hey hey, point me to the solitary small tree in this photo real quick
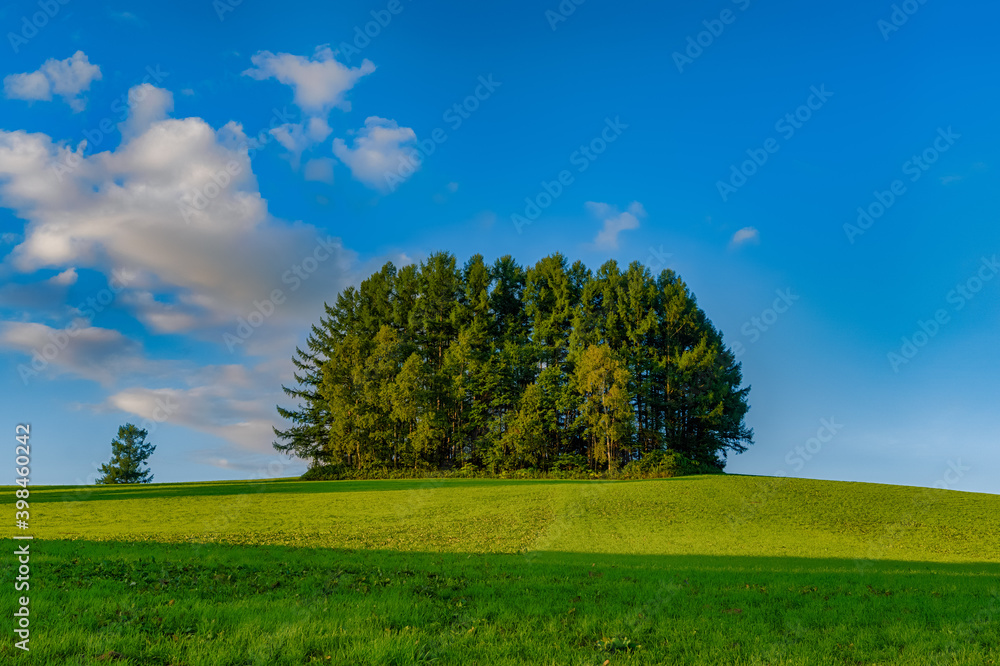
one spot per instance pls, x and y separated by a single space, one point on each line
129 452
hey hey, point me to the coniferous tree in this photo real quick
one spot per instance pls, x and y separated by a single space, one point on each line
129 452
606 410
308 435
497 366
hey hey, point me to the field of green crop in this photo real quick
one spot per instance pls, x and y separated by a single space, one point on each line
692 570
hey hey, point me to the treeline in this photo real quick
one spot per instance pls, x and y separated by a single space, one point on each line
500 368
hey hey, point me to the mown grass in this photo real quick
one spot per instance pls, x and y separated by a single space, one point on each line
693 570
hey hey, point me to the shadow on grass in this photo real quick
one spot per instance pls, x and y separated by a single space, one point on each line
42 494
524 562
199 603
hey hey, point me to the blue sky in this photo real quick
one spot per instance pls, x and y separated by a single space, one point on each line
739 157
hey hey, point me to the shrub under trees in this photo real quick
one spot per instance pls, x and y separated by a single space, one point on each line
505 368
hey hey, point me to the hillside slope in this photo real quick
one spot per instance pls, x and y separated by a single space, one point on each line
701 515
703 571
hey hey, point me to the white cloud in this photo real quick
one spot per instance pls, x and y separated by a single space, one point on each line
292 137
48 295
68 78
193 269
319 83
147 105
379 157
298 137
99 354
29 86
615 222
66 278
318 129
320 170
744 236
202 266
217 409
161 316
232 402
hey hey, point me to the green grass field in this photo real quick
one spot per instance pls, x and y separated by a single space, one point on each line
692 570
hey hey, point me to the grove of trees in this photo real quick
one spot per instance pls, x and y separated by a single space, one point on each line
502 368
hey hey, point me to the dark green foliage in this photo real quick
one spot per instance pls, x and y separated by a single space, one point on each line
129 452
500 368
654 465
664 465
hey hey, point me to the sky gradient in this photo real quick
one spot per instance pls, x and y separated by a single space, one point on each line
182 186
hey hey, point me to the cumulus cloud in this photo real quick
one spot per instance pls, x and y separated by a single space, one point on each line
232 402
614 222
99 354
320 82
68 79
147 105
298 137
178 205
222 400
744 236
161 316
379 156
47 295
210 409
67 277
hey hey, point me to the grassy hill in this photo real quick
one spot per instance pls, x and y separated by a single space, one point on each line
691 570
